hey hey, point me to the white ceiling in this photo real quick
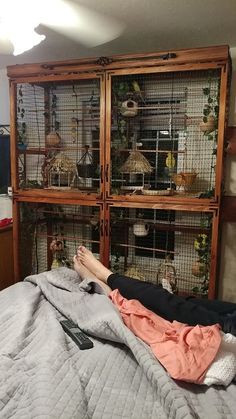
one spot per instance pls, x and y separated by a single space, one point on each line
151 25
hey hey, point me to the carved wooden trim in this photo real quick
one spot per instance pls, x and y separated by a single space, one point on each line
218 54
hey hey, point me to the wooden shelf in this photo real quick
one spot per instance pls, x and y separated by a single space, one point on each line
44 150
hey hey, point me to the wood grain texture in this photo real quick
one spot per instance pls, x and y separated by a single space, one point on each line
71 67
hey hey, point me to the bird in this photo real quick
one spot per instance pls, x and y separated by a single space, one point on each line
170 160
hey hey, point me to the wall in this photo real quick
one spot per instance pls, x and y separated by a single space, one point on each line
227 285
4 98
5 203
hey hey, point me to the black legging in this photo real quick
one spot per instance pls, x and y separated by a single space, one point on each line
188 310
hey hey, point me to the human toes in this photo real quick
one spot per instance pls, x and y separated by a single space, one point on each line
75 259
85 251
81 250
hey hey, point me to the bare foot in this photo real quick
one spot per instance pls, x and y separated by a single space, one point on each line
92 264
86 274
83 272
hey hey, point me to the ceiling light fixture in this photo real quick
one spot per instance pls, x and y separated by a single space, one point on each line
18 19
68 18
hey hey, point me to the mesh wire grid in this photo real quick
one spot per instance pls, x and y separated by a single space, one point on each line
55 120
143 241
50 234
162 115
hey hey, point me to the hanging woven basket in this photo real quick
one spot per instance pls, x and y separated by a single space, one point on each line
184 179
199 269
85 166
209 125
53 139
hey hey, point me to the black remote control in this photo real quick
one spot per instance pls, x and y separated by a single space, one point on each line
78 336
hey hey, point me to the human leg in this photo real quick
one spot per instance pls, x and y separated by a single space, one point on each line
172 307
220 307
155 298
167 305
160 301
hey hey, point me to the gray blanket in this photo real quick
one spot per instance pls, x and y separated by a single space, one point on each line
43 374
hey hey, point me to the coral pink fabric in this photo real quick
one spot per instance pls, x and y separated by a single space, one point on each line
185 351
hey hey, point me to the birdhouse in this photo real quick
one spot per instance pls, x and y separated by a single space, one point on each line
134 170
61 172
129 108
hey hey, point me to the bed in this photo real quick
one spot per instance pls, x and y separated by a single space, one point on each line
43 373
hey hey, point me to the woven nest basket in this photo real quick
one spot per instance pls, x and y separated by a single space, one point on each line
62 163
136 163
61 172
134 272
185 179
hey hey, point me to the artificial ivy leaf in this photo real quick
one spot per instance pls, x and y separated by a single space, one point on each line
206 111
57 125
210 137
206 91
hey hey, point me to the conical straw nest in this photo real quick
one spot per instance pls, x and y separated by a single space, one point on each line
136 163
62 163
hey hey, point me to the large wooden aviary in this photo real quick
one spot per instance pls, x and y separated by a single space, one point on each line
124 154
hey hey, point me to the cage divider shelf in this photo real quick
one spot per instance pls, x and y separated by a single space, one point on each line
131 246
164 226
69 238
127 150
44 150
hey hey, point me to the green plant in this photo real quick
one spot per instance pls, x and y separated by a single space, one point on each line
208 194
210 112
120 91
21 125
30 184
211 107
200 268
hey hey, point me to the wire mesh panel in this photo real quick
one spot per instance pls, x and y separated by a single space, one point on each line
166 247
58 135
164 130
50 234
